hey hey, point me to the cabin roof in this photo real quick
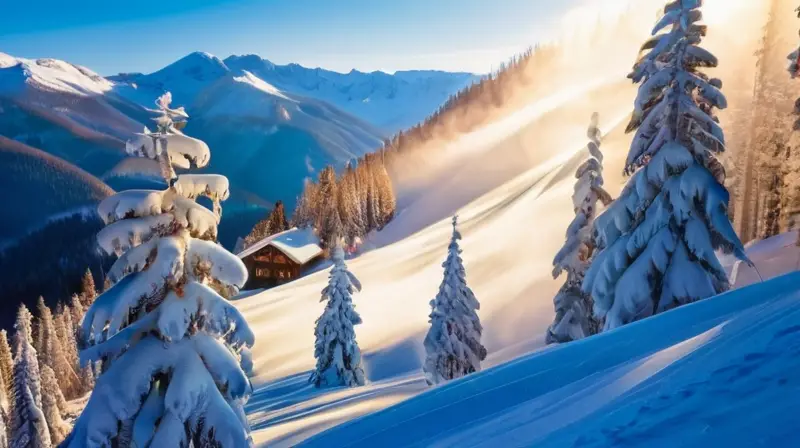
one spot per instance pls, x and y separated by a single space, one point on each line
300 245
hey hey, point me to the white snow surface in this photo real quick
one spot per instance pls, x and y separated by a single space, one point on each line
510 183
50 74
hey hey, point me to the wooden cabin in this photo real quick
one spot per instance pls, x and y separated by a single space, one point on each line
280 258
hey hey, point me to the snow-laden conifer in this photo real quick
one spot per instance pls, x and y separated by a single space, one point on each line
53 405
4 430
336 350
453 343
164 329
660 238
6 363
55 355
574 319
28 425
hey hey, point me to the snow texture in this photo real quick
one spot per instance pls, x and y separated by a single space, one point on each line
28 421
574 319
168 339
336 350
659 239
453 344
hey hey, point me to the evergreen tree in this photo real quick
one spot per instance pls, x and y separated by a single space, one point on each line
88 290
28 425
336 350
659 239
54 354
53 405
303 216
453 343
349 210
274 223
43 324
77 310
69 352
6 363
4 430
168 338
277 219
573 307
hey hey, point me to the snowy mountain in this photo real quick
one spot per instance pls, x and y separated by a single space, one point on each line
390 102
268 141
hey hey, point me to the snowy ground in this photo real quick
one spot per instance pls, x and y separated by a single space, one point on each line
510 183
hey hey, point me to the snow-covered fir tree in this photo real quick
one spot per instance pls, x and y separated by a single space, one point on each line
53 405
6 363
336 350
4 431
28 425
40 329
574 319
303 215
274 223
453 343
88 290
659 239
68 348
165 331
55 355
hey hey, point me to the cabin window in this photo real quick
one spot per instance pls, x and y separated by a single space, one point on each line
282 274
280 259
263 272
264 258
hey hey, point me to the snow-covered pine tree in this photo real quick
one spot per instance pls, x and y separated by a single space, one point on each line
6 363
39 329
453 343
274 223
69 348
77 310
88 290
303 215
43 323
574 319
53 405
336 350
28 425
54 355
349 210
659 239
386 199
4 430
167 335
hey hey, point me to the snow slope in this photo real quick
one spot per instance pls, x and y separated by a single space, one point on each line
510 183
693 375
506 268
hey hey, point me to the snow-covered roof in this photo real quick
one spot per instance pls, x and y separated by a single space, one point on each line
300 245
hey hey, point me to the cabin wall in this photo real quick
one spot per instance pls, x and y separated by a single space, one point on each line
270 267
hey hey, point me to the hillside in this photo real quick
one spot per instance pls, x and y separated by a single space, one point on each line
59 186
510 181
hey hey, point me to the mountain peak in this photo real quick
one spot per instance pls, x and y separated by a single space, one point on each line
248 62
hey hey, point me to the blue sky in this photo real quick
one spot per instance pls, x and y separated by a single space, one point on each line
112 36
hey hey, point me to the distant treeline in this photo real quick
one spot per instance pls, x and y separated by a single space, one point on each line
476 104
